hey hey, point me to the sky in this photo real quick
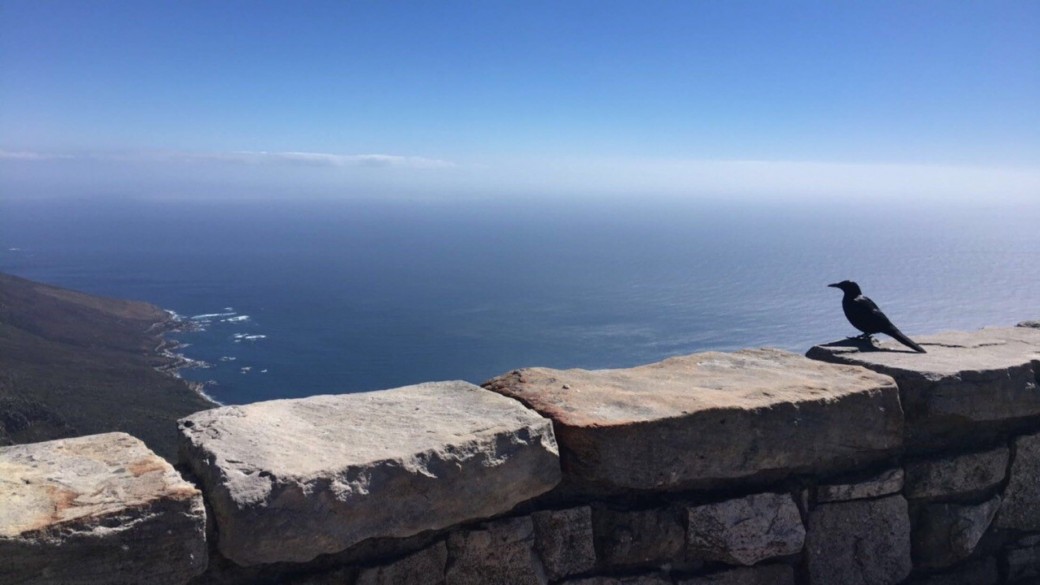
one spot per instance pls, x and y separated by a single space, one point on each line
929 99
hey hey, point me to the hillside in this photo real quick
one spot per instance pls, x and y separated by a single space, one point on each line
74 364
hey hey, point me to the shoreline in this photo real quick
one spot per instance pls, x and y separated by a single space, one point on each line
174 362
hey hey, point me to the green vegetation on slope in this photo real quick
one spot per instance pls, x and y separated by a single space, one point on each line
74 364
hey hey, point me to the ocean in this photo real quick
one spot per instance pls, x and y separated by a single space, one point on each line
293 298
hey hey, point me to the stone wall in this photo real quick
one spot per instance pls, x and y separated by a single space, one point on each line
855 465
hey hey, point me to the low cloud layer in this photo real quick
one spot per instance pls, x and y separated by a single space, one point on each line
318 159
31 156
322 159
689 178
246 173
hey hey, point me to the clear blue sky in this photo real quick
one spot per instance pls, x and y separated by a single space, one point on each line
679 98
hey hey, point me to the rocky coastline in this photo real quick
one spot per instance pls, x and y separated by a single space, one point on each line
174 360
75 364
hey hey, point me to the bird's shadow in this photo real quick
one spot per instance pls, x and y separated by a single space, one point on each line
861 344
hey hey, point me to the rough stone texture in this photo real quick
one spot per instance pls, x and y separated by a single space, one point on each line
641 537
1021 507
764 575
744 531
343 576
945 534
953 476
863 542
966 381
1023 560
981 572
424 567
502 553
97 509
700 420
288 480
885 483
564 541
652 579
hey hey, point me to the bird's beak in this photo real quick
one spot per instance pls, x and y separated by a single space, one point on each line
835 285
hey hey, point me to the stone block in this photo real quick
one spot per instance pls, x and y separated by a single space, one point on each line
97 509
289 480
862 542
501 553
1021 507
956 476
1023 560
945 534
564 541
966 383
651 579
341 576
639 537
704 420
885 483
745 531
424 567
762 575
980 572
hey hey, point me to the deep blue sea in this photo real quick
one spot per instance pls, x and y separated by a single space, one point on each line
295 298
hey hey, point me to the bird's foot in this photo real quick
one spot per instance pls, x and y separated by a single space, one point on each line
864 341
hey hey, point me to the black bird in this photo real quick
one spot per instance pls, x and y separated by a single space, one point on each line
867 317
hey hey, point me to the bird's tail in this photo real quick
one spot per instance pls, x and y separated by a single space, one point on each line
901 338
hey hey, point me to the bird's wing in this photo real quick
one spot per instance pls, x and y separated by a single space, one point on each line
873 313
866 302
880 322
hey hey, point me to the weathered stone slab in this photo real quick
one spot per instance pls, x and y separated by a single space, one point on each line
763 575
953 476
1021 507
862 542
745 531
965 382
502 553
885 483
639 537
291 479
945 534
97 509
702 419
564 541
424 567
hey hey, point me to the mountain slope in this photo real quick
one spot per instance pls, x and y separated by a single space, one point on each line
74 364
